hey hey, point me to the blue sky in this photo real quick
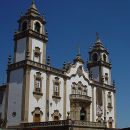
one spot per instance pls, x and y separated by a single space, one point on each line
73 23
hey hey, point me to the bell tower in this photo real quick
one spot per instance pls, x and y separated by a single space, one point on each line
31 37
99 65
25 73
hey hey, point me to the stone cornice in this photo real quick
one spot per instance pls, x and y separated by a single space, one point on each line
30 33
99 63
28 17
39 66
105 86
64 123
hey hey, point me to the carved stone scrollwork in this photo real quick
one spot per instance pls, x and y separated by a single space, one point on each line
80 71
56 115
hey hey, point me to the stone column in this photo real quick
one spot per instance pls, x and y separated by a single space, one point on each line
114 108
104 99
64 102
93 104
47 96
25 94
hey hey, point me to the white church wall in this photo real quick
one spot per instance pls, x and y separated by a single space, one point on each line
41 103
3 105
15 97
94 104
21 48
56 104
95 73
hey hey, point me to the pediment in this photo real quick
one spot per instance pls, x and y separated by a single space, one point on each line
78 70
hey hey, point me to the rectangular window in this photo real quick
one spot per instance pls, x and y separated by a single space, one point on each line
56 89
38 86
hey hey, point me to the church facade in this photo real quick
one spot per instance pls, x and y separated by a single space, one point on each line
37 92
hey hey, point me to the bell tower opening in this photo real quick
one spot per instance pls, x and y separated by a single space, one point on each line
95 57
37 27
24 26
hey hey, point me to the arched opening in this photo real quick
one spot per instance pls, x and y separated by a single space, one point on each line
37 27
82 114
95 57
56 115
36 118
110 124
104 57
24 26
37 113
56 118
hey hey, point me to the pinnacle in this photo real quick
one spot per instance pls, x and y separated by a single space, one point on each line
33 6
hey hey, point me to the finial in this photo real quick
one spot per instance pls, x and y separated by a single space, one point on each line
33 2
27 54
9 60
78 50
33 5
97 38
48 61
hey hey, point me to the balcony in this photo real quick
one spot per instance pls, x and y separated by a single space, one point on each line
78 97
63 124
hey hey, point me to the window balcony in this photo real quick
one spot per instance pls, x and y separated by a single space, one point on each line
78 97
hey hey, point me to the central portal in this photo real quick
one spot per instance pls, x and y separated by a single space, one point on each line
80 111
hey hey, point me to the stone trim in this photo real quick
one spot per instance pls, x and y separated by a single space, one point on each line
25 93
32 34
93 104
64 99
37 53
56 114
15 50
99 63
65 124
104 98
38 91
115 108
56 94
38 66
104 86
47 95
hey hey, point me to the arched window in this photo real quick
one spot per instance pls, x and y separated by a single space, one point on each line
36 118
24 26
82 114
95 57
37 27
104 57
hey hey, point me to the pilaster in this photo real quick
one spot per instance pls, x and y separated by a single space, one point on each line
47 96
25 94
93 104
64 102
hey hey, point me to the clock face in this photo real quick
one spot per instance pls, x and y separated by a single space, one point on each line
99 110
